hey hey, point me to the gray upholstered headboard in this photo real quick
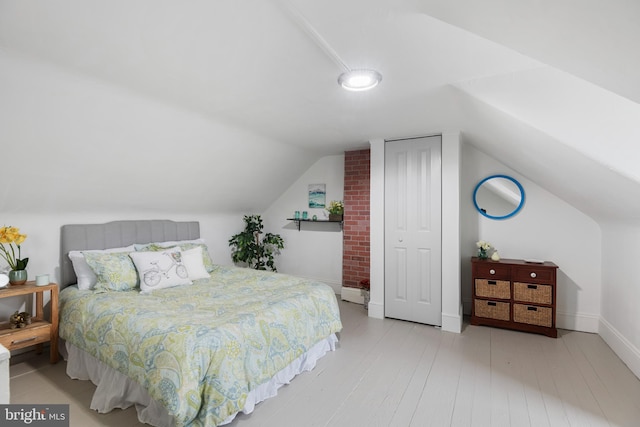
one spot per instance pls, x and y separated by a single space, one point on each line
116 234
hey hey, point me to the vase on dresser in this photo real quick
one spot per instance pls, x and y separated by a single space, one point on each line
17 277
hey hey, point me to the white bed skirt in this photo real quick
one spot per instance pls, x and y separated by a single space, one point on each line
114 390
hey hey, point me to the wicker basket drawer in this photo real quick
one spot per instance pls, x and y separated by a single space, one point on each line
492 309
533 315
493 288
527 292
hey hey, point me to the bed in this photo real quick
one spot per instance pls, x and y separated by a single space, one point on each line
193 354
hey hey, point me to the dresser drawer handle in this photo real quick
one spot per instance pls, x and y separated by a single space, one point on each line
492 282
492 271
532 286
493 304
533 275
532 308
24 340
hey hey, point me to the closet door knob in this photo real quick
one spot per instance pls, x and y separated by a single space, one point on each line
533 275
492 271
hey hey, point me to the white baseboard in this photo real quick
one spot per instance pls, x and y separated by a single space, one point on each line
376 310
351 295
452 323
621 346
578 322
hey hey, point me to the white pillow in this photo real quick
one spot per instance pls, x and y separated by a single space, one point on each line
192 259
86 277
160 269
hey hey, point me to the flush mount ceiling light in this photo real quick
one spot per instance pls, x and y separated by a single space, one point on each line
359 80
353 80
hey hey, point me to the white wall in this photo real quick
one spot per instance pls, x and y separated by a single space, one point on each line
83 145
620 317
546 228
315 251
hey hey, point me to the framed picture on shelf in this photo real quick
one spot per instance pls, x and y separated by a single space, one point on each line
317 196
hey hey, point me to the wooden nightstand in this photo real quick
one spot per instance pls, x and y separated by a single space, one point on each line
40 330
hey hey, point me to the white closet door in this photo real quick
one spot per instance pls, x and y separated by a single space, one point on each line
413 232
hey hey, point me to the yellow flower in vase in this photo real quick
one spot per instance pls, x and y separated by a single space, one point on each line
11 237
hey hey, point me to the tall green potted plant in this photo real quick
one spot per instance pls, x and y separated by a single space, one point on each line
250 248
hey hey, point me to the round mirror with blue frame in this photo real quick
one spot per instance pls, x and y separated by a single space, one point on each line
498 197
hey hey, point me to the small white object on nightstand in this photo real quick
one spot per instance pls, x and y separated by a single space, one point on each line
42 279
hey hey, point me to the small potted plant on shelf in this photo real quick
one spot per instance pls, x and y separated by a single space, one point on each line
336 210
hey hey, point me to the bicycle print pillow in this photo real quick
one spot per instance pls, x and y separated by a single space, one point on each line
162 269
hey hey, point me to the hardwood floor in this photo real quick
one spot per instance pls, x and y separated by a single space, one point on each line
395 373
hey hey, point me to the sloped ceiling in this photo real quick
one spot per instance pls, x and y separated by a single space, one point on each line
207 89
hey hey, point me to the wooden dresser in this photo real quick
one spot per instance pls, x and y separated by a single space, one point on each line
514 294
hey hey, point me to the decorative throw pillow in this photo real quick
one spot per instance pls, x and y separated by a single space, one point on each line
184 245
192 259
162 269
206 258
86 278
114 271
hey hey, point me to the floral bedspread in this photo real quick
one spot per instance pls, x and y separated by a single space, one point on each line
199 349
